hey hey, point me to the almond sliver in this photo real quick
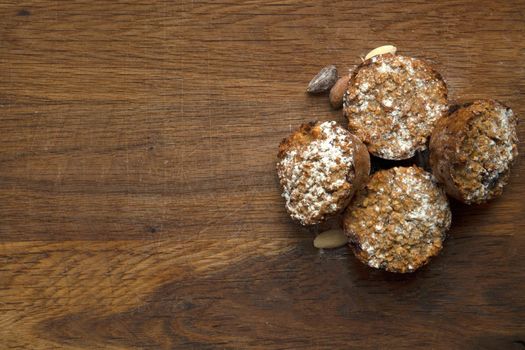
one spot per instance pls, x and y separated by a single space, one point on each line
381 50
330 239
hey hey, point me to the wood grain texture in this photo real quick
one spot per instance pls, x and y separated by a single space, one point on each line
139 206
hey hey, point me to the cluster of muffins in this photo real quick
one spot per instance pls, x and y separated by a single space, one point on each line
396 219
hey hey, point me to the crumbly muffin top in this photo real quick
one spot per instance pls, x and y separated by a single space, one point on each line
399 220
316 170
487 150
392 103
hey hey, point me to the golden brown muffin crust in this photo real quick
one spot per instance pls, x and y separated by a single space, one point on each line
392 104
320 167
398 221
473 149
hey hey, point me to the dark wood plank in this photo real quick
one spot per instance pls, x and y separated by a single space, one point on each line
139 203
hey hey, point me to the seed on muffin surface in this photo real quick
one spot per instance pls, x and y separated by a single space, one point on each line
320 166
472 150
392 104
399 220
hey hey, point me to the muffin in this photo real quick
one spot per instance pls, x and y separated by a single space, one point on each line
320 167
472 150
392 104
399 220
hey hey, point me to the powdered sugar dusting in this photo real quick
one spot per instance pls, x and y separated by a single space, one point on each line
317 174
409 225
393 103
490 149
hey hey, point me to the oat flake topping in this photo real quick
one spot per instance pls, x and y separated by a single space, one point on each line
392 104
398 221
316 175
473 149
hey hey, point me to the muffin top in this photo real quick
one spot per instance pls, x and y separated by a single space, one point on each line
399 220
392 103
482 145
316 169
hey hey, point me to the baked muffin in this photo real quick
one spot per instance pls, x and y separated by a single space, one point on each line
472 150
320 167
399 220
392 104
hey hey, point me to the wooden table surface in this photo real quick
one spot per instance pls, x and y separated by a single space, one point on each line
139 206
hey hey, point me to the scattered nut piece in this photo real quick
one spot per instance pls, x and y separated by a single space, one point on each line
334 238
323 81
381 50
337 92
